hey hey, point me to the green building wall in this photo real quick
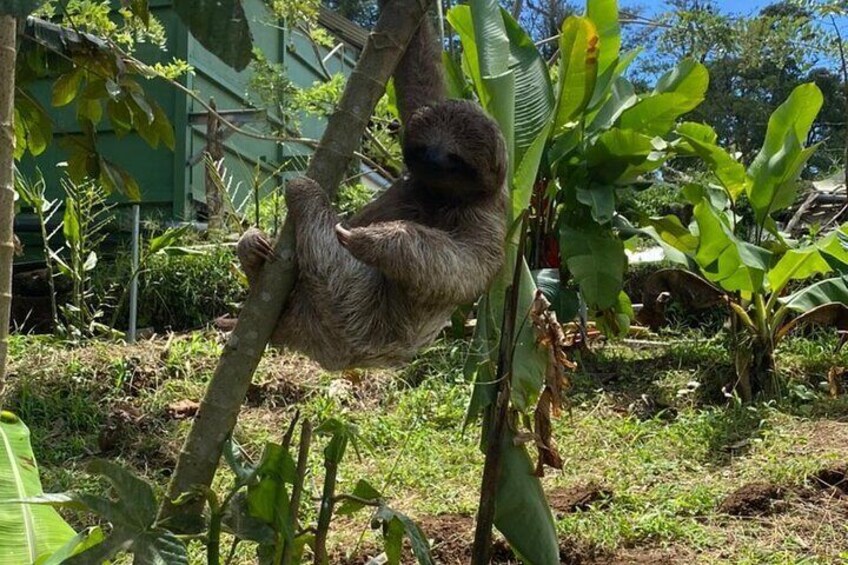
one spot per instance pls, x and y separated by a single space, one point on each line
170 185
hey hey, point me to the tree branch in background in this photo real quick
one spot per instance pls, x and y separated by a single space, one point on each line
8 53
220 407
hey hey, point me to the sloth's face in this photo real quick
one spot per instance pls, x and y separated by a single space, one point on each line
454 150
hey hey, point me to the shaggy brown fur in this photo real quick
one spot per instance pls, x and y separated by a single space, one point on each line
373 293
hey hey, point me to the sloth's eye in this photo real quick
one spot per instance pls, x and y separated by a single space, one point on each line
460 165
456 161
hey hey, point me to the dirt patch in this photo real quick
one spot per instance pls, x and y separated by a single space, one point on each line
274 392
643 556
182 409
452 537
753 499
579 497
833 478
823 437
814 518
286 378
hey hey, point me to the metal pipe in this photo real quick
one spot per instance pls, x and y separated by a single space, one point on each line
332 52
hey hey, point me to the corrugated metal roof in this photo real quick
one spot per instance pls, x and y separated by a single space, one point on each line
342 28
60 39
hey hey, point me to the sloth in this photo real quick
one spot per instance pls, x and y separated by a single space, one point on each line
376 290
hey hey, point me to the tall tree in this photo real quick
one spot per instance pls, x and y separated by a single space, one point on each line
754 61
8 53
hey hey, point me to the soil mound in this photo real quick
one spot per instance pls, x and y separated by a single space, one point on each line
753 499
832 478
579 497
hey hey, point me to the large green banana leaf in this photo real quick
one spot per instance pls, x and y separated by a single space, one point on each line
27 531
725 259
604 14
783 156
824 292
522 513
729 172
509 74
578 69
596 259
679 91
805 262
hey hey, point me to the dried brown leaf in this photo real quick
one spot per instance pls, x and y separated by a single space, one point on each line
551 335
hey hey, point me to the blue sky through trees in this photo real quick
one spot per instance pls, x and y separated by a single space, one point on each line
743 7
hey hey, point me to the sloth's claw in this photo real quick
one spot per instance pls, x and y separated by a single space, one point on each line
264 249
254 249
343 235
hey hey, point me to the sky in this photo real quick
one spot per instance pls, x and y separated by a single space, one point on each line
745 7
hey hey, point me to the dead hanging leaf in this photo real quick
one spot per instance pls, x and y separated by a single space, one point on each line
550 335
832 314
548 453
16 243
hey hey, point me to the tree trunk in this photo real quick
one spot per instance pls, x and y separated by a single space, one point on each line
764 378
755 369
220 407
8 53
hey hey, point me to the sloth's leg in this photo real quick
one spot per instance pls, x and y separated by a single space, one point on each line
433 263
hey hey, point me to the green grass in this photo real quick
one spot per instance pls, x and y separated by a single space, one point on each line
668 474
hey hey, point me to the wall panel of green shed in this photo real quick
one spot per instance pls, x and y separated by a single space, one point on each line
153 168
168 182
248 159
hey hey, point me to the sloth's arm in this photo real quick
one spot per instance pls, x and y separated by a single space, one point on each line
419 79
429 262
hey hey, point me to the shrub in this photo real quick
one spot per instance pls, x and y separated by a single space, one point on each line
177 291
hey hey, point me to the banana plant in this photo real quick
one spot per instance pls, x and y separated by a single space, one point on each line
574 144
512 82
751 274
606 140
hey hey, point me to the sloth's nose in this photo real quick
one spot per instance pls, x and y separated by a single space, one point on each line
435 157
